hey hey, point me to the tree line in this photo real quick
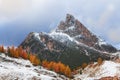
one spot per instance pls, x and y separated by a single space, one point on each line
21 53
58 67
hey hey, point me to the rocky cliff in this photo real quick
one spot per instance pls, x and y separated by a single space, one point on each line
71 43
75 29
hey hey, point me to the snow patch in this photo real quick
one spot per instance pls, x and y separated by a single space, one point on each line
101 42
70 28
78 36
37 36
62 37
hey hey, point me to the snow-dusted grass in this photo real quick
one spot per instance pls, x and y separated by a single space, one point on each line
108 68
12 69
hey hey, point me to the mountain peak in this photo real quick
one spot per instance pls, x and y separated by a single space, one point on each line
70 20
75 29
72 42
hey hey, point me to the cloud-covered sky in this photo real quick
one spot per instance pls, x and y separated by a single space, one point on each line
19 17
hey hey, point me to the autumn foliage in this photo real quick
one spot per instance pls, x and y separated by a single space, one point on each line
84 65
34 60
20 53
99 61
57 67
2 50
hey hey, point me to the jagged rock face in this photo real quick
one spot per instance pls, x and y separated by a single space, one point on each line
47 47
72 44
77 30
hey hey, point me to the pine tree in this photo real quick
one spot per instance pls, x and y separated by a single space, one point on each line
99 61
16 54
20 51
2 50
84 65
68 71
36 61
12 51
50 65
62 68
45 63
56 67
24 55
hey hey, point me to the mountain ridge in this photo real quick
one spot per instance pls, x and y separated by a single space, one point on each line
71 43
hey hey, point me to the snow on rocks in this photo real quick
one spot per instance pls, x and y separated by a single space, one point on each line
101 42
70 28
62 37
37 36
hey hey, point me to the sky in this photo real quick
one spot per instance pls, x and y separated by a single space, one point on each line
20 17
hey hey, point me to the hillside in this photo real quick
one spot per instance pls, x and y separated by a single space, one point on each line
20 69
108 69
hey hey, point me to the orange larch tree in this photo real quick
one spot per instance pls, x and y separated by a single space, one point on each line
99 61
2 50
24 55
36 61
68 71
45 63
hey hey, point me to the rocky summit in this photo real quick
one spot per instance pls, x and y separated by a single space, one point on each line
71 43
75 29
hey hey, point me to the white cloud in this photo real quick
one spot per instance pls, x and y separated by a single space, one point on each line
113 34
10 9
105 16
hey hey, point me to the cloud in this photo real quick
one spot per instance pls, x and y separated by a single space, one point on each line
105 16
11 9
113 33
43 15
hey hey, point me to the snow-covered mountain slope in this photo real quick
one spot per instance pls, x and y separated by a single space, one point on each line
19 69
95 72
